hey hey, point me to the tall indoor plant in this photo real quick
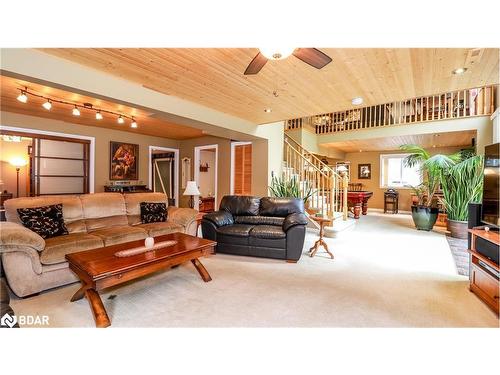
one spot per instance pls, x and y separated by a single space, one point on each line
425 211
462 183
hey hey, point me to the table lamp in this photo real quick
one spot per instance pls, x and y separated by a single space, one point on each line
18 162
192 190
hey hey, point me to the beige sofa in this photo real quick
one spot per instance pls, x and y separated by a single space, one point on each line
33 264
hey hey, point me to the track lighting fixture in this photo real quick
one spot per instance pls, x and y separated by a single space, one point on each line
47 105
48 102
23 98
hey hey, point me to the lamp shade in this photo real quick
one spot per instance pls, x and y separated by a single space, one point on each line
342 169
18 161
191 189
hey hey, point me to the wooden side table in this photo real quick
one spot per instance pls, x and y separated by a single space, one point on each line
322 222
198 220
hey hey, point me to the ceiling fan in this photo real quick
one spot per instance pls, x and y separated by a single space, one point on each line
311 56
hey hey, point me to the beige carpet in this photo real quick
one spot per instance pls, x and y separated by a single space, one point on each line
385 274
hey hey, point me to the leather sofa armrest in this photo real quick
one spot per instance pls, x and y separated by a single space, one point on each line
15 235
220 218
293 220
182 216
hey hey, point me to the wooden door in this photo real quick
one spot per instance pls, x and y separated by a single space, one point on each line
243 169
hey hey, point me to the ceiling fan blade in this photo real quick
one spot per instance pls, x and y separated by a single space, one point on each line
256 65
313 57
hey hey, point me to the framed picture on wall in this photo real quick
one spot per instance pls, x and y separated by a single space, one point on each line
343 166
124 161
364 171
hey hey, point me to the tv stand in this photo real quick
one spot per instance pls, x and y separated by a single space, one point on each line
483 275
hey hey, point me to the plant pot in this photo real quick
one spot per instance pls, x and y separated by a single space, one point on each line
458 229
424 217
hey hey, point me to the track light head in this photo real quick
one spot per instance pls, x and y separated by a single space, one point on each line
47 105
133 124
98 115
76 111
23 98
120 120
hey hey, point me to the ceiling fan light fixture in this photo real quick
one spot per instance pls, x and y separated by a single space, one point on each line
273 53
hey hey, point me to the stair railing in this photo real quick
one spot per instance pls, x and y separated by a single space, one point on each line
328 188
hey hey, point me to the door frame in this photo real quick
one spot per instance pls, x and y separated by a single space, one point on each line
176 169
233 147
197 150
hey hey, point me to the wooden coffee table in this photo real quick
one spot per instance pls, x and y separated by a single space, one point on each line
100 268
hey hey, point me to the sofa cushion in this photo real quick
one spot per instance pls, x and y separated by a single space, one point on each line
46 221
120 234
159 229
57 247
103 210
282 207
240 205
153 212
270 236
237 234
259 220
133 201
72 209
267 231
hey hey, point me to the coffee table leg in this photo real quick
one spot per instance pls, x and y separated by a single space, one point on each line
80 292
201 270
100 314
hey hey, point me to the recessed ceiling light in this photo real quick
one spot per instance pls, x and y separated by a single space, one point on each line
268 110
357 101
459 71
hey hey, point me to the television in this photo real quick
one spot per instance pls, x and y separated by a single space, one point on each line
491 185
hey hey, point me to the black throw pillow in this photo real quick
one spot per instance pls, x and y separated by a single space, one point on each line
153 212
46 221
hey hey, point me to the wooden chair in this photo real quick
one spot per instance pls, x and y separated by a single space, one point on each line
391 201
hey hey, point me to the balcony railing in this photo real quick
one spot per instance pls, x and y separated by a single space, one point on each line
451 105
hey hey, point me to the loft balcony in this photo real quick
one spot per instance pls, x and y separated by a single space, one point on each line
479 101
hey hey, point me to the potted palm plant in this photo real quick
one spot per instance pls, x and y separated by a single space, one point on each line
290 188
462 183
424 211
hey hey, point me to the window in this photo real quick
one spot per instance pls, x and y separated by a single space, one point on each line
395 174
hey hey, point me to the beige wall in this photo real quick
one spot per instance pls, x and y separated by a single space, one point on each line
207 179
102 139
373 184
8 150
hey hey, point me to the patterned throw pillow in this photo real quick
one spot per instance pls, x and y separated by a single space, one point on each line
153 212
46 221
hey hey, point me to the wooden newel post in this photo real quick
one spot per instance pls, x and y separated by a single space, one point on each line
345 184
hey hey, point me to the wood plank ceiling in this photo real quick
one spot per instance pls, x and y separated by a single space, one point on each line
146 124
214 77
448 139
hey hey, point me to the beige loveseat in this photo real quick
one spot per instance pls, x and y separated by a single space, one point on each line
33 264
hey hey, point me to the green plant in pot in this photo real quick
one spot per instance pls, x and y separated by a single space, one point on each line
462 183
425 211
290 188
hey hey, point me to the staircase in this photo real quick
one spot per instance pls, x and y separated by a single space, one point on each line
327 188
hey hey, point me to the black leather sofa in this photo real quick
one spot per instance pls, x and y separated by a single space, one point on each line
264 227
